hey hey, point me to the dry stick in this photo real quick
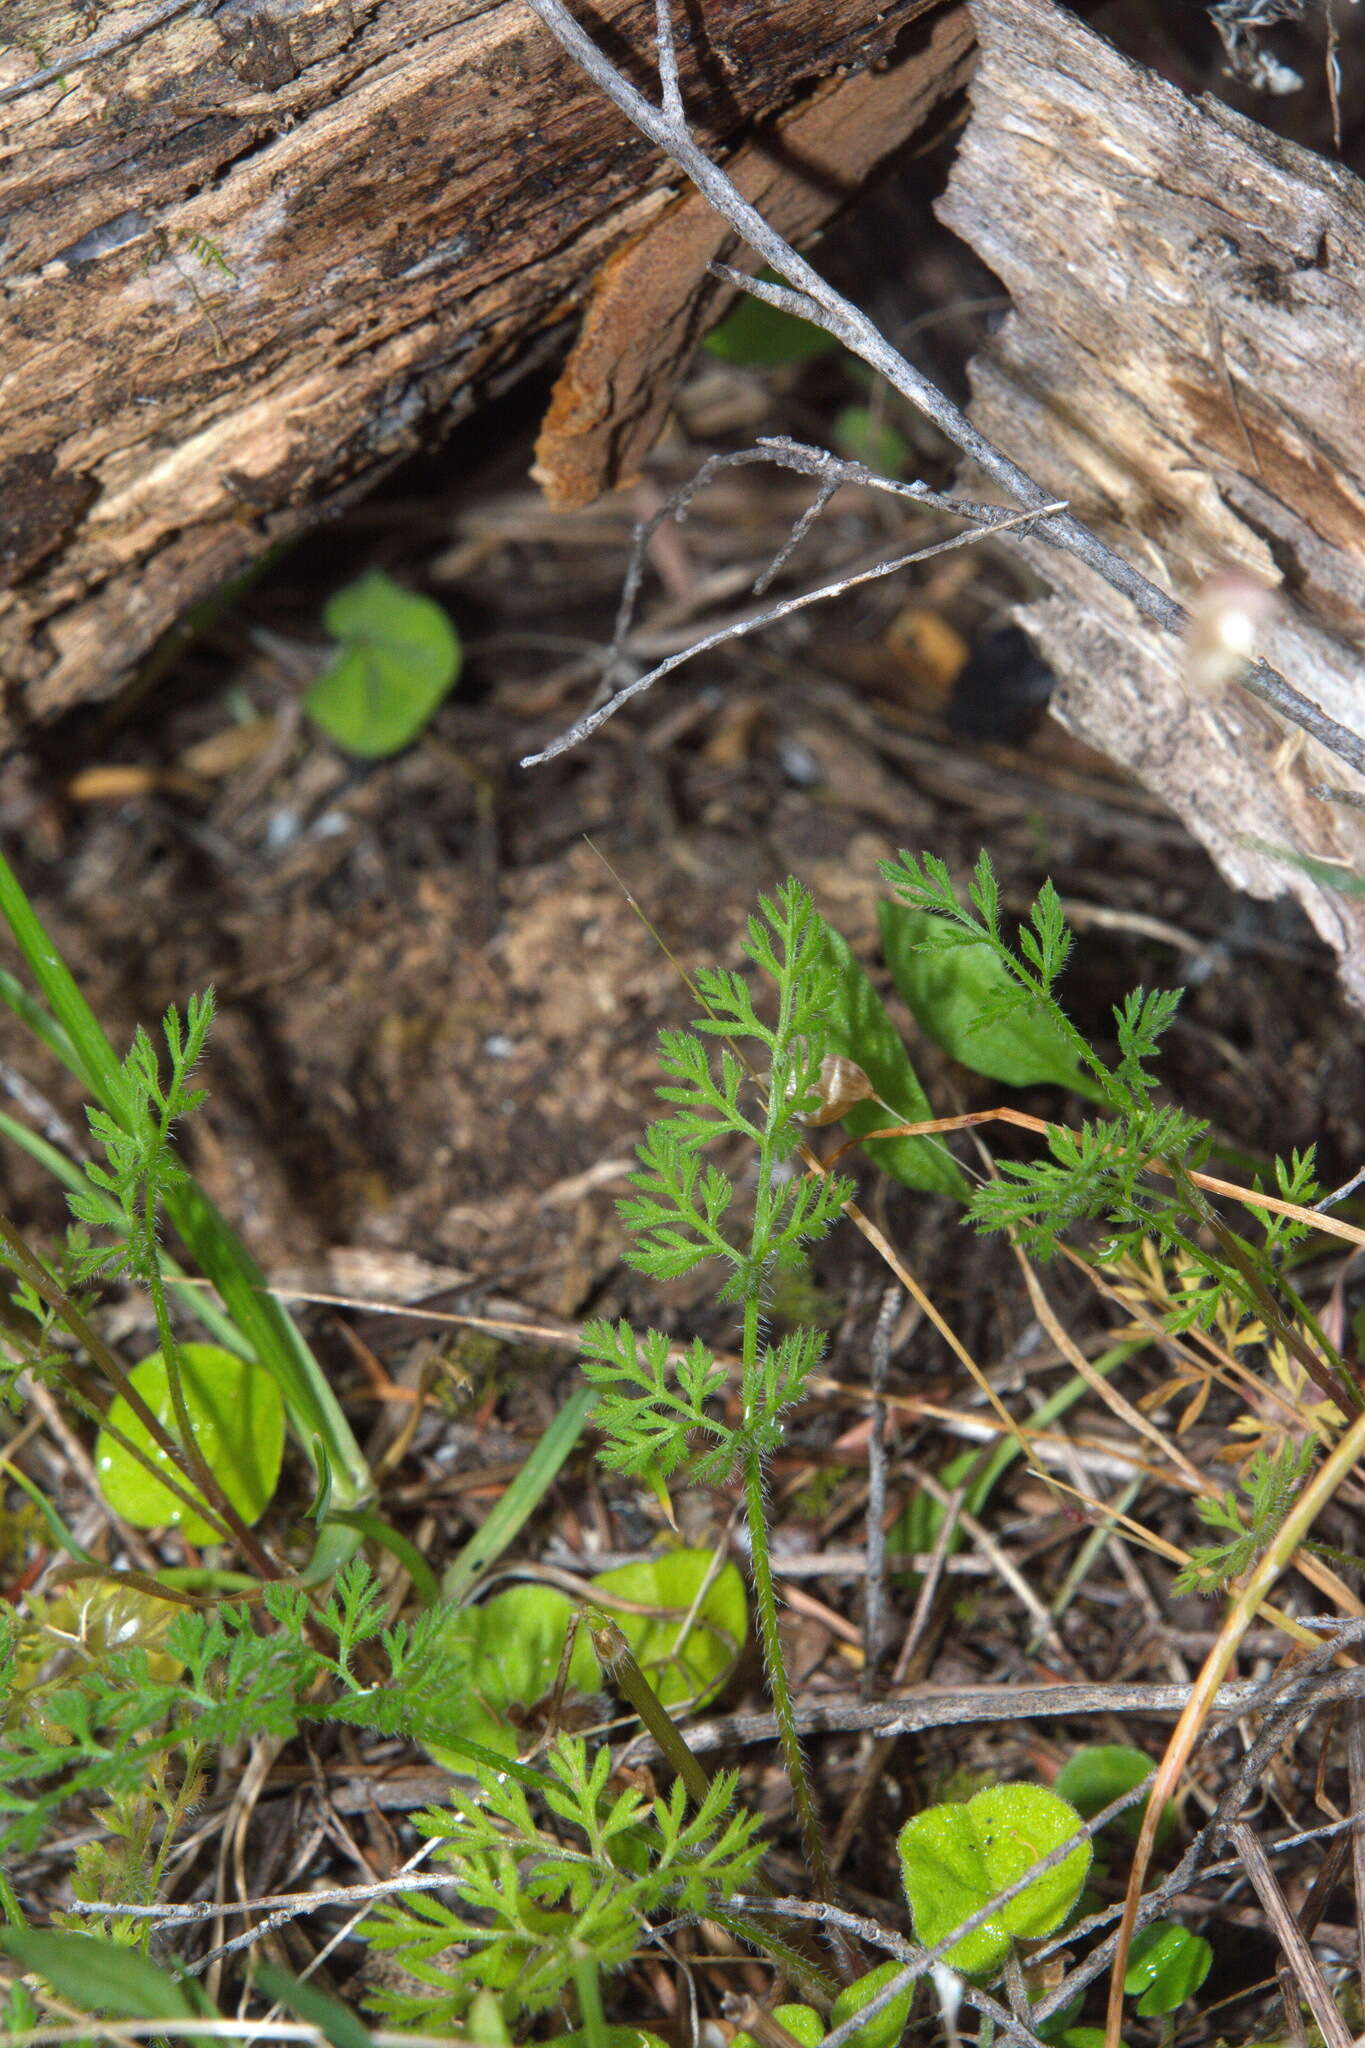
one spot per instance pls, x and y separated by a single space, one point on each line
1299 1956
828 471
882 1747
874 1596
932 1708
737 628
816 301
1316 1495
1355 1763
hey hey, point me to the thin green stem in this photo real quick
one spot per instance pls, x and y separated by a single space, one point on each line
20 1259
588 1985
765 1601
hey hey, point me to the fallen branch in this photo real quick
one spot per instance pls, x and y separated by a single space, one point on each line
807 295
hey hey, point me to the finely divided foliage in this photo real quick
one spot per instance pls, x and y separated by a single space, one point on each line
536 1899
652 1412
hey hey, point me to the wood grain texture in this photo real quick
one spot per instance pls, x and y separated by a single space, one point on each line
1186 364
653 300
267 247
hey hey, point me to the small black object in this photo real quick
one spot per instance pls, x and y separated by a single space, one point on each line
1002 691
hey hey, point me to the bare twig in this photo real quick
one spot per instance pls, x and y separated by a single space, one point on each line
736 629
808 295
1302 1962
1355 1762
932 1709
874 1595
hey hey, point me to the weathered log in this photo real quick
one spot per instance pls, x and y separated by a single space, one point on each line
256 251
1185 363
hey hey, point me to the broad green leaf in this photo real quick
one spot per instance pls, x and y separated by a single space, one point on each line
859 1028
237 1414
945 1883
690 1667
954 1859
1167 1964
397 656
99 1977
885 2029
802 2022
337 2024
514 1643
1103 1772
950 991
102 1618
755 335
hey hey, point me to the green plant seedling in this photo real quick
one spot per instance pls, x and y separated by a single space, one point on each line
97 1976
757 336
963 996
1094 1777
546 1899
885 2028
237 1414
954 1859
802 2022
856 1025
1166 1964
514 1644
685 1664
398 656
864 437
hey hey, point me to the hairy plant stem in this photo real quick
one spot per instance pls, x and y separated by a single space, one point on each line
780 1078
765 1599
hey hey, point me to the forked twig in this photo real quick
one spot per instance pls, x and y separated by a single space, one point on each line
736 629
806 294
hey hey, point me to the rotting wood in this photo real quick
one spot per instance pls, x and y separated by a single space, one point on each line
1184 364
259 253
654 299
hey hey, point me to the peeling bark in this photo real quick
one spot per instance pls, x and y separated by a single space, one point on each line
1186 365
259 252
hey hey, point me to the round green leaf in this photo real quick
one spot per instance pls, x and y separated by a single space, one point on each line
802 2022
688 1666
514 1643
1103 1772
945 1883
397 656
756 335
1167 1964
237 1414
884 2030
864 436
954 1859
